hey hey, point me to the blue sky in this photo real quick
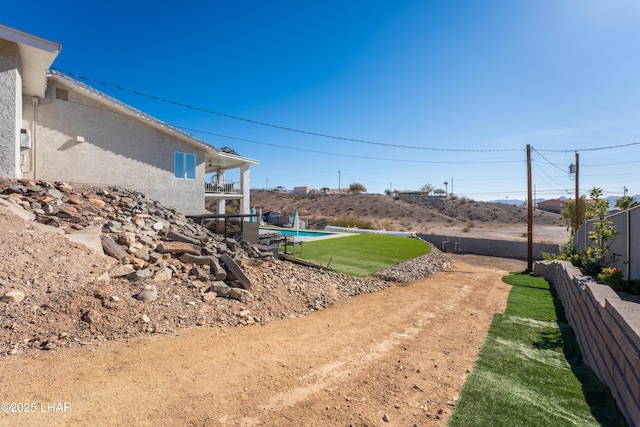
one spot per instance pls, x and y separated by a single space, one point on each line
414 92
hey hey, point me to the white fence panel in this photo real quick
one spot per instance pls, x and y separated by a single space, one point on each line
625 245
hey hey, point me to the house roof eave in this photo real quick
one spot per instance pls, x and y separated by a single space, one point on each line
224 161
236 158
36 56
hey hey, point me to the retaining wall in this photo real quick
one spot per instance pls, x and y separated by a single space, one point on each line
489 247
607 329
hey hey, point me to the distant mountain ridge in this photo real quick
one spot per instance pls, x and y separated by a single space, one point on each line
611 199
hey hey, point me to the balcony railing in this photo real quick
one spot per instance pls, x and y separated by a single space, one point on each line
222 188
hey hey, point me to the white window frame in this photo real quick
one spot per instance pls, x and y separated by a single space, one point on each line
184 166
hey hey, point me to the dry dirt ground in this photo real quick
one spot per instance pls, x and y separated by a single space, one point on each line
397 357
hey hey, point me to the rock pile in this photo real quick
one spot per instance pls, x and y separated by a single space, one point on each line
163 272
417 268
150 242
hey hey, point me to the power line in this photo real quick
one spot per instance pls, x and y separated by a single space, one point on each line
305 149
180 104
612 164
344 155
592 149
538 151
535 171
549 161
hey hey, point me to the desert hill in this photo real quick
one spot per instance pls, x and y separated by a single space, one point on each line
423 215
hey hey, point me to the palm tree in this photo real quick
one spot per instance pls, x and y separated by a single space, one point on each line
446 189
626 202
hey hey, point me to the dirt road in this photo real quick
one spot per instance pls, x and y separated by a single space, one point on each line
398 357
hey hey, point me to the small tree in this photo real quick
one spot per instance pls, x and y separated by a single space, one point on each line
356 187
569 214
603 229
427 188
439 192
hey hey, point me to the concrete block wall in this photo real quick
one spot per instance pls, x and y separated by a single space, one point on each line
488 247
607 329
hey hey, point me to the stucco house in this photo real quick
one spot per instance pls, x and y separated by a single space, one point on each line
302 190
60 129
553 205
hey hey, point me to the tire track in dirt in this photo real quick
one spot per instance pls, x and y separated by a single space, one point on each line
329 374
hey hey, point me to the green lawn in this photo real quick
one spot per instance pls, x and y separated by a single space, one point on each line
530 372
362 254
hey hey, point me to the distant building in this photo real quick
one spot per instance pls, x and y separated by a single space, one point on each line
553 205
301 190
410 195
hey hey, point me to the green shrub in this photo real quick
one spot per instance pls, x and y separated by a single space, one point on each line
589 262
612 276
568 252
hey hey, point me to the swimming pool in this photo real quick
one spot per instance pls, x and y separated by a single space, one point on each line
301 233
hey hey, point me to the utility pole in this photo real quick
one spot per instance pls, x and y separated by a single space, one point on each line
529 213
339 191
577 209
451 187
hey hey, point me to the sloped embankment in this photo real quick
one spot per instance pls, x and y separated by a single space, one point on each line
164 272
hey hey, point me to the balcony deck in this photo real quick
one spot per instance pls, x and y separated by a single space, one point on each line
221 189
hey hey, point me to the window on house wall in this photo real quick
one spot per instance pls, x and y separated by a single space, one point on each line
62 94
184 165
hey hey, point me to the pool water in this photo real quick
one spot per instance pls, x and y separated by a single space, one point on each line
301 233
